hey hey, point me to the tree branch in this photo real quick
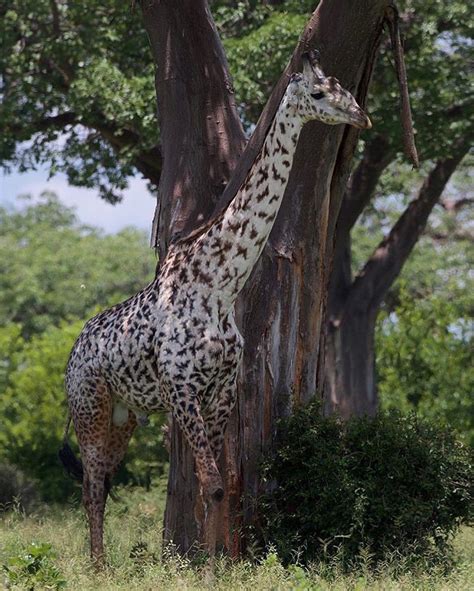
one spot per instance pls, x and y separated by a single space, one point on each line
148 162
454 205
455 236
43 124
385 264
407 121
55 18
378 154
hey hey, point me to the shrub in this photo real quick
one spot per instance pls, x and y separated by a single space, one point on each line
378 487
34 410
33 568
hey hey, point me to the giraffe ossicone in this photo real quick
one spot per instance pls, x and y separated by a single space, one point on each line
174 345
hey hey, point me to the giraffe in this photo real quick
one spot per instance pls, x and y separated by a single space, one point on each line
174 346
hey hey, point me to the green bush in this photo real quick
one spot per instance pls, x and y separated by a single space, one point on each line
369 487
34 410
33 568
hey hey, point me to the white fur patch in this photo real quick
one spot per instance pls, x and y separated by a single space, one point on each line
119 415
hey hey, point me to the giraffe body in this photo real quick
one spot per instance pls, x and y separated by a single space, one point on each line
174 345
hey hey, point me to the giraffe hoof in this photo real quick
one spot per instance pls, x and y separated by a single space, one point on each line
218 495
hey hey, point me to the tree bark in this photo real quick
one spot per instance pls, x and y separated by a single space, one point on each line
201 133
354 304
283 308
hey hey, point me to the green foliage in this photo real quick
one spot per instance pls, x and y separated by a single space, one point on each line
268 57
55 274
52 268
10 342
92 64
89 64
438 47
366 489
425 360
33 409
33 568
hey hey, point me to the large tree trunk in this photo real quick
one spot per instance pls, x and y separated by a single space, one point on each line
283 308
202 139
350 388
349 356
201 133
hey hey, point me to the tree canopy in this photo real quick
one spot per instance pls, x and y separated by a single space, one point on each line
77 90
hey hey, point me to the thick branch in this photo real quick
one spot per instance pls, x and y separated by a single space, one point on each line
148 162
385 264
455 236
55 18
454 205
377 156
43 124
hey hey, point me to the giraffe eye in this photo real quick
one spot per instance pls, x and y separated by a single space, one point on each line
317 95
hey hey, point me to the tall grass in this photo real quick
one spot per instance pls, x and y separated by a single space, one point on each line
133 542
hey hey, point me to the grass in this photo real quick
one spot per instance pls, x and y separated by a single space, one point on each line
133 542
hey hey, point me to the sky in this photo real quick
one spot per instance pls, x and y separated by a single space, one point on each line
136 209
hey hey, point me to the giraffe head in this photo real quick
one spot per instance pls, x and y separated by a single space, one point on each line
321 98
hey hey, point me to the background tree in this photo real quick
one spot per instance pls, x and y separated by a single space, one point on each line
437 52
55 273
52 268
72 96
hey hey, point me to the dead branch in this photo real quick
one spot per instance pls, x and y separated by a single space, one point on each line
392 18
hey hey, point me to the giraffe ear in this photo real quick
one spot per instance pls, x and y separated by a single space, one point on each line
311 66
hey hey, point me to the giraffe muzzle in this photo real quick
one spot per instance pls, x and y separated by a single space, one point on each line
360 120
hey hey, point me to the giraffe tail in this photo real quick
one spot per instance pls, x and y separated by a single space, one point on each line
71 463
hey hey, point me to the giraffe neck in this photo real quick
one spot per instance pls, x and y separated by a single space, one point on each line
234 243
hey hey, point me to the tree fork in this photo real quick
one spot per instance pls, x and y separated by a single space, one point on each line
351 388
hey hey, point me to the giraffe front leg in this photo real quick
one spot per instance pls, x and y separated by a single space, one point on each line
186 411
217 416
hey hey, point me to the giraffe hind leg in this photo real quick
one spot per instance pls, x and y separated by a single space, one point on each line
102 445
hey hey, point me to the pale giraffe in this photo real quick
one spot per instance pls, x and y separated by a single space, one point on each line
174 345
